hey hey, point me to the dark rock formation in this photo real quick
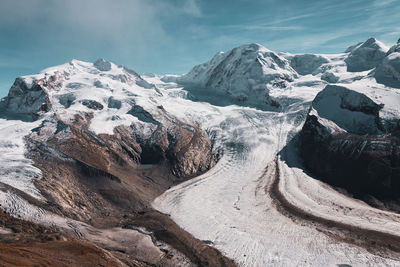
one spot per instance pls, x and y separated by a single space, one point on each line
363 160
329 77
92 104
94 169
394 48
388 71
362 164
25 99
30 98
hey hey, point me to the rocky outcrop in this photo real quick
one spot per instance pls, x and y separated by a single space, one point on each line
30 96
388 72
330 77
350 110
362 164
27 99
365 56
394 48
109 166
354 152
88 174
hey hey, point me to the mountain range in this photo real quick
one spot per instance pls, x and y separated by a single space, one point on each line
254 158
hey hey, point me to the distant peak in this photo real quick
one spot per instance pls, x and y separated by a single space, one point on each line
102 64
370 40
254 47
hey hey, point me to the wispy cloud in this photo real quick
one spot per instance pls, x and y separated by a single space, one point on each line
191 7
381 3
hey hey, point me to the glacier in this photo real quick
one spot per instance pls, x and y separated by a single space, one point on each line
254 102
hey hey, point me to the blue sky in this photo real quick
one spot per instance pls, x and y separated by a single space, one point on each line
171 36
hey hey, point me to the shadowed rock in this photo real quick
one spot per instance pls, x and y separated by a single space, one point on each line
365 56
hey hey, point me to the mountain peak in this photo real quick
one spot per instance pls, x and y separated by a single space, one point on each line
74 87
254 47
366 55
243 73
102 65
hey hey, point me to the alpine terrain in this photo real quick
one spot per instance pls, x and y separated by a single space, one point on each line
254 158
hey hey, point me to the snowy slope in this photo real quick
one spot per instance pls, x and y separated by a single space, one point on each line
366 55
387 72
231 206
78 87
245 73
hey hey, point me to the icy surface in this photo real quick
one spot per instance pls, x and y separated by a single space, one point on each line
16 170
230 206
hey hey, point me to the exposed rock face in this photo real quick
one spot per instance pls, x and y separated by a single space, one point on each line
28 99
350 110
89 174
365 56
351 152
307 63
105 154
182 145
388 72
92 104
329 77
362 164
94 169
394 48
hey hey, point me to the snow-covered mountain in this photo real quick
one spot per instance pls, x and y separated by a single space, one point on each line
234 152
366 55
244 74
387 72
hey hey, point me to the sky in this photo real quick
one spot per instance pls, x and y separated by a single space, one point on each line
171 36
